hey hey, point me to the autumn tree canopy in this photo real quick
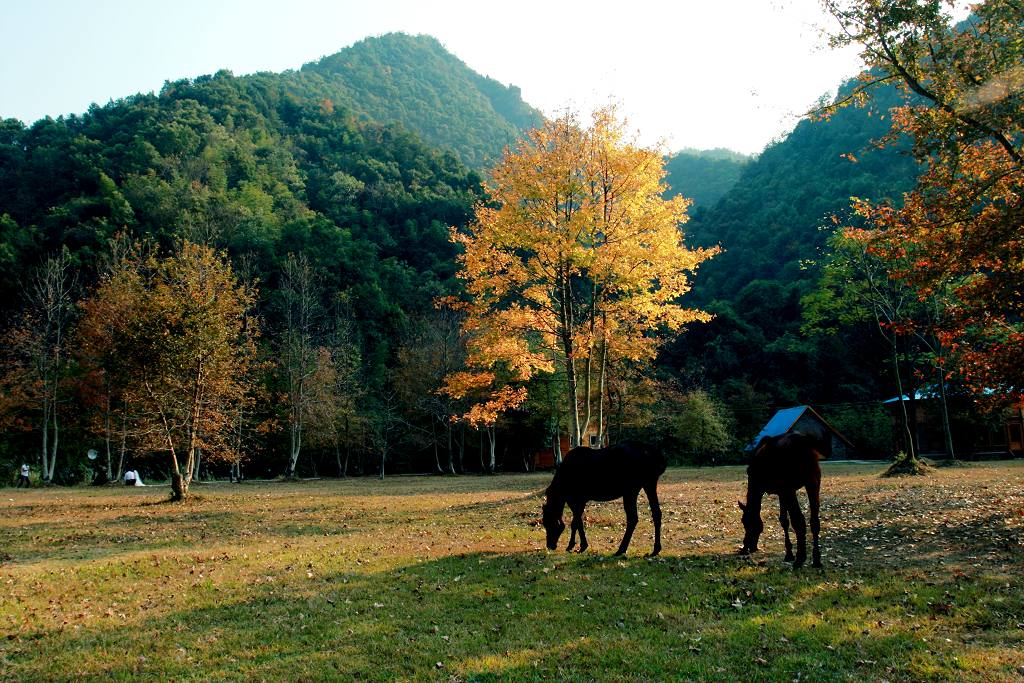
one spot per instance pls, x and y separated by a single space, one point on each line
182 331
573 265
959 229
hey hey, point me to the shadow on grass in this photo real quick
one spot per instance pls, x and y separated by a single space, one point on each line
416 485
515 616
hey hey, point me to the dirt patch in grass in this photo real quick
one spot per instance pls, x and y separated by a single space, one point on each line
446 579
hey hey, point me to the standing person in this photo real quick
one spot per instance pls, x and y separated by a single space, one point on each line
23 477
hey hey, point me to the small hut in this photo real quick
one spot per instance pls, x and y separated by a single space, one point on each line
807 420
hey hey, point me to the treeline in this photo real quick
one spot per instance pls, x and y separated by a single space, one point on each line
334 233
244 166
339 227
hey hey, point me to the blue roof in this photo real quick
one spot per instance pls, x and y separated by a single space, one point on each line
780 423
919 395
930 393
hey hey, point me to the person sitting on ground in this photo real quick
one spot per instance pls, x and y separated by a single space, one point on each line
129 478
23 477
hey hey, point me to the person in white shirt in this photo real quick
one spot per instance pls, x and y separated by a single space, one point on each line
23 477
129 478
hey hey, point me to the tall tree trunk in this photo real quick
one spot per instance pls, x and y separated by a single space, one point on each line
903 404
296 447
946 428
451 454
348 447
108 428
437 447
54 442
123 450
483 466
462 448
572 390
587 381
179 486
572 394
492 438
45 459
600 394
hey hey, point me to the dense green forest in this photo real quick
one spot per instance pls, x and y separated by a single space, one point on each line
253 167
704 176
773 225
414 81
360 162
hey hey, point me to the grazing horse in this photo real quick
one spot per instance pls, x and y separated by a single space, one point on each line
781 465
587 474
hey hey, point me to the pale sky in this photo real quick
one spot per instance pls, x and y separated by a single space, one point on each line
725 73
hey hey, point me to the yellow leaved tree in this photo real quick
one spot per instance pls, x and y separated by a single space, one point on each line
575 262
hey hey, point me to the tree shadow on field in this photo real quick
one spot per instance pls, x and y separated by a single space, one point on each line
418 485
971 544
135 530
486 616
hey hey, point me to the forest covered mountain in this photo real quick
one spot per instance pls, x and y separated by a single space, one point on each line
361 161
414 81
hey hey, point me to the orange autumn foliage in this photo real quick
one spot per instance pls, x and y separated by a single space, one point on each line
960 229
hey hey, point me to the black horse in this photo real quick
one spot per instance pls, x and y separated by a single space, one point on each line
782 465
587 474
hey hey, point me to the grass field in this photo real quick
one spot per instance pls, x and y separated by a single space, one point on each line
446 579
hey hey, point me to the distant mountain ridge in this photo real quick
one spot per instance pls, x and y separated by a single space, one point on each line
414 81
704 176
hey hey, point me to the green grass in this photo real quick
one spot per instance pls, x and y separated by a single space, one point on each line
446 579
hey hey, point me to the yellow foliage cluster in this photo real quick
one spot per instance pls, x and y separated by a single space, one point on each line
576 259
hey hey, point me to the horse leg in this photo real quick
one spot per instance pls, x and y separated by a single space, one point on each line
814 503
628 502
796 517
652 498
577 524
784 521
